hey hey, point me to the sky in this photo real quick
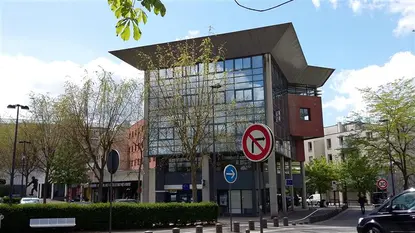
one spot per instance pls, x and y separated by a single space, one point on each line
44 43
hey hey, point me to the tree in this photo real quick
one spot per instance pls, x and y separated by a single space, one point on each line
95 113
70 166
390 119
180 87
358 170
320 175
46 133
129 16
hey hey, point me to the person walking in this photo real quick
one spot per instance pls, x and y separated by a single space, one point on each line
362 201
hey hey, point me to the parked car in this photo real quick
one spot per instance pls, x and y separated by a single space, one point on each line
30 200
126 200
314 199
395 215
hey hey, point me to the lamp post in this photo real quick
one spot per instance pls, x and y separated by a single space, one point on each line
216 86
24 160
390 155
18 107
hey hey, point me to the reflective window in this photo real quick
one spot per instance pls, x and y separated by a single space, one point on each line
405 201
257 62
238 64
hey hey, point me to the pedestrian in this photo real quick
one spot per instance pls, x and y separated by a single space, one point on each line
362 201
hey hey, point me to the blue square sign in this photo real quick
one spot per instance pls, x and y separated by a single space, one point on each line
186 187
288 182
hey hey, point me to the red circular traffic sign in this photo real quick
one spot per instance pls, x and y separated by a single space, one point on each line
382 184
257 142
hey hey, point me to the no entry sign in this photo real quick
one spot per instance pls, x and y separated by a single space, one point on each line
257 142
382 184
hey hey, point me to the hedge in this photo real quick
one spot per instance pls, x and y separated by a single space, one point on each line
93 217
15 200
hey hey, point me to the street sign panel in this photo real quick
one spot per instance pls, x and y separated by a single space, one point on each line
257 142
334 185
186 187
382 184
230 173
113 161
288 182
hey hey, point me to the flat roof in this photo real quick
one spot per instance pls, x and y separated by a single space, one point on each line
280 41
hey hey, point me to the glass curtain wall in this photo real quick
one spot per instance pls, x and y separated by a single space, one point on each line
242 88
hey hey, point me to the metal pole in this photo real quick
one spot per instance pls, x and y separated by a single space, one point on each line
14 157
110 223
261 230
230 204
390 160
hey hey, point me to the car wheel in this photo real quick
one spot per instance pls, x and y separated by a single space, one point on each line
373 229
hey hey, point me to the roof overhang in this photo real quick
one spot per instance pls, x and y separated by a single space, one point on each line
280 41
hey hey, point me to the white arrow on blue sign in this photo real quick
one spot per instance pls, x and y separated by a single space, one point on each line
230 173
288 182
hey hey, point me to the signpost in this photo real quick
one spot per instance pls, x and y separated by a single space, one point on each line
382 184
257 146
334 188
230 174
113 162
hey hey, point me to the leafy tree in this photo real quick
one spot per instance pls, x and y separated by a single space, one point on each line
129 16
181 88
320 175
390 118
70 166
95 113
358 170
46 134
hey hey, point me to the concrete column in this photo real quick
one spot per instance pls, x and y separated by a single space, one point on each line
205 177
283 196
269 116
152 185
145 189
66 193
304 189
52 190
290 167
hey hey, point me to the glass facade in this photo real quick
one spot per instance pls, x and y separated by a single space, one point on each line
238 102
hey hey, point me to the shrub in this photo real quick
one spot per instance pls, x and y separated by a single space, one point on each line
15 200
95 217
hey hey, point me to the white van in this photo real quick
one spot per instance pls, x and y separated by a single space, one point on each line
314 199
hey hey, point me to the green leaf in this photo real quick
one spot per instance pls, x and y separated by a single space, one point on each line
125 35
120 26
143 17
137 32
118 12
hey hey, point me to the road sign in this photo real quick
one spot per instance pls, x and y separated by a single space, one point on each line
257 142
113 161
382 184
288 182
230 173
334 185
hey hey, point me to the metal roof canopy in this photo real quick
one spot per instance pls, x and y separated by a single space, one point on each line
280 41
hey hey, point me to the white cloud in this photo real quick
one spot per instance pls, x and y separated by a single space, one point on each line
404 8
347 82
190 34
21 75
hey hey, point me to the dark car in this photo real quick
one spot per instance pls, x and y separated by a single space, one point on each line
395 215
126 200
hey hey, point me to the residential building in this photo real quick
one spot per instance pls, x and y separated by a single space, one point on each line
270 80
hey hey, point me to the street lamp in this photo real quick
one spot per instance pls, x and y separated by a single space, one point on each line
390 155
18 107
216 86
24 160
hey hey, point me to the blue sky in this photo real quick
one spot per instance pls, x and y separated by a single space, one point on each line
359 42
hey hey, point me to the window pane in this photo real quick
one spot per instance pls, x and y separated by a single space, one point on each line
259 93
257 61
246 63
259 77
229 65
247 95
238 64
239 95
220 66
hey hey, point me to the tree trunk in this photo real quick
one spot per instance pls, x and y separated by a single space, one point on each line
405 181
100 185
45 185
139 181
193 170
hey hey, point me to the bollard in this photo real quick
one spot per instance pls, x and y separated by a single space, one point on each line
276 222
264 223
199 229
218 228
294 223
1 218
247 231
176 230
251 225
301 223
148 232
236 227
285 221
